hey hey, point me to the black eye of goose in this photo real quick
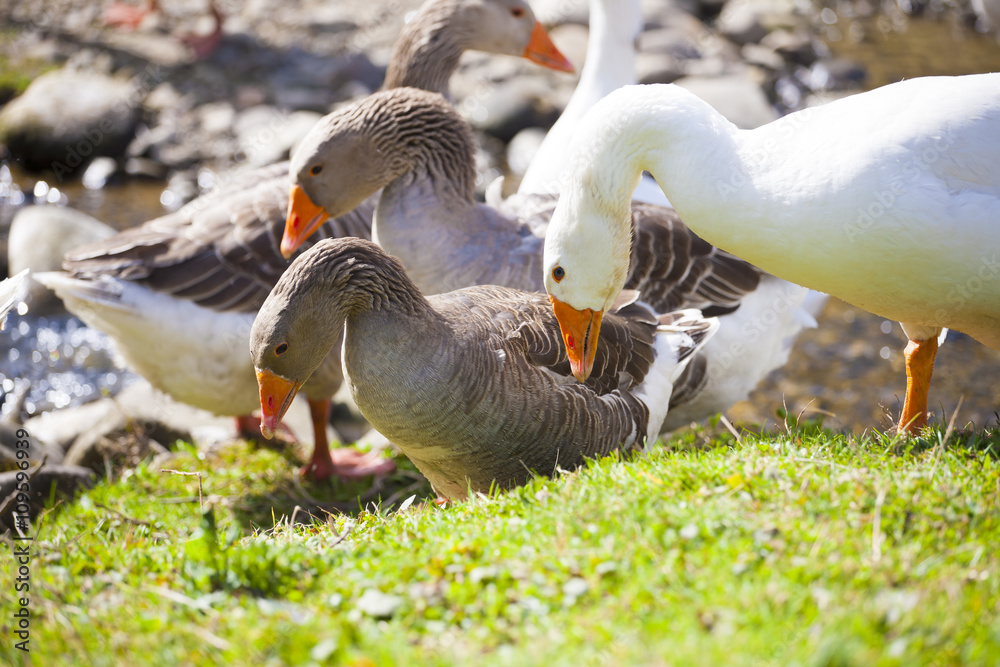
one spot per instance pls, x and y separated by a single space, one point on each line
558 273
316 169
517 12
281 349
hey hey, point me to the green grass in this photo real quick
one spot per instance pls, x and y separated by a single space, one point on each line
802 548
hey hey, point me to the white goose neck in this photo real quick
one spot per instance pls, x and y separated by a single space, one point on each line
692 151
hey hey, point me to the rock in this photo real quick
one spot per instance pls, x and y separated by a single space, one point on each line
659 13
40 236
140 167
657 68
65 118
795 46
138 422
838 74
755 54
377 604
122 441
509 107
99 172
266 134
737 98
522 148
740 22
677 41
59 480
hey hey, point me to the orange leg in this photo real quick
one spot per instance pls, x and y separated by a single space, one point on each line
343 462
920 356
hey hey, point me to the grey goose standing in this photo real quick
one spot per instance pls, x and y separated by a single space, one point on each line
474 385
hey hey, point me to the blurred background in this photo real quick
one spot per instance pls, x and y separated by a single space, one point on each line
195 92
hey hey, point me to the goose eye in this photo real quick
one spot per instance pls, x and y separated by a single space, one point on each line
281 349
558 273
517 12
316 169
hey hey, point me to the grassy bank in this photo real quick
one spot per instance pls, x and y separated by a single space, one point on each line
793 548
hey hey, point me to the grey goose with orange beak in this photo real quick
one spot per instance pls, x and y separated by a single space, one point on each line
472 385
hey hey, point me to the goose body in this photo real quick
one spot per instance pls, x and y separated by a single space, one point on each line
888 199
10 289
428 217
216 259
472 385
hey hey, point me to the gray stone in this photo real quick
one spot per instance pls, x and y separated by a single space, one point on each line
377 604
65 118
509 107
737 98
522 148
120 441
740 22
657 68
755 54
40 236
796 46
99 172
266 134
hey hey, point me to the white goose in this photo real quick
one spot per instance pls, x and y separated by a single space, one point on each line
755 338
889 199
10 290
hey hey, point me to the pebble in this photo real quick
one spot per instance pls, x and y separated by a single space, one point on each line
66 118
377 604
39 237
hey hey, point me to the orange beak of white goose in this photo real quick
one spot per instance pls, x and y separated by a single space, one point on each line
541 50
580 329
276 394
304 217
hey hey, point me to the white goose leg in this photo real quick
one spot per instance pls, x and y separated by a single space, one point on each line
920 353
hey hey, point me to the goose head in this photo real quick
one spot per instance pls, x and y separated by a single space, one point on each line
336 166
293 332
507 27
586 263
359 149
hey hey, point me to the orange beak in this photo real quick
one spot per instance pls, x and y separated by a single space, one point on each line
304 218
580 329
541 50
274 391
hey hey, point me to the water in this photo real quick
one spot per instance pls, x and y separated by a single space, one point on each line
48 363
